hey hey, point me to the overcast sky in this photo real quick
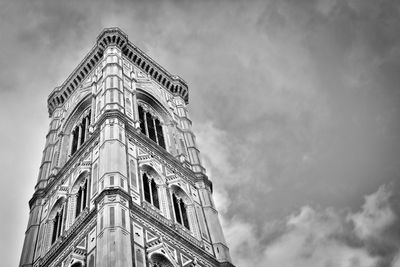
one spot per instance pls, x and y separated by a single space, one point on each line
295 105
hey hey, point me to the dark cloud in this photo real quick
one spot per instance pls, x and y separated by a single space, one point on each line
295 103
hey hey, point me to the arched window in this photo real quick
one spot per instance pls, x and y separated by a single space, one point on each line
81 199
80 132
77 264
151 127
150 191
157 260
57 220
180 211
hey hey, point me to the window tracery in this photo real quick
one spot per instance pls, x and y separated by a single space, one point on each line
57 225
80 132
150 191
56 220
81 199
151 126
180 211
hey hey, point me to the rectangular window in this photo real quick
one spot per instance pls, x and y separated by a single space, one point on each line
102 184
111 180
123 218
122 182
112 215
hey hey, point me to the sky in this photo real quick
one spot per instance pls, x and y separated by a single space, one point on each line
295 107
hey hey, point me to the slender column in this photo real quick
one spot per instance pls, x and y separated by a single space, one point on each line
168 196
71 212
79 136
50 229
179 202
135 108
194 226
145 113
164 202
151 190
155 129
82 199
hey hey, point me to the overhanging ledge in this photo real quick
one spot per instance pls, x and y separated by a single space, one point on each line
116 37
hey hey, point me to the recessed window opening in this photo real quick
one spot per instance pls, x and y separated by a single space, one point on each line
80 133
150 191
151 126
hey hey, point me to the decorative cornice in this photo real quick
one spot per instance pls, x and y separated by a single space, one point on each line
116 37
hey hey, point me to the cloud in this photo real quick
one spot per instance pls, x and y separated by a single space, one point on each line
319 237
294 103
376 215
314 238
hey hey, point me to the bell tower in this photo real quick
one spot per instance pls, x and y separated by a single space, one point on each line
121 182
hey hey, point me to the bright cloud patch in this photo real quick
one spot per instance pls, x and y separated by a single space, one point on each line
314 237
376 215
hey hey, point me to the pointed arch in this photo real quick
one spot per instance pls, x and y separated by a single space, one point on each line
160 259
76 128
151 182
152 116
181 203
56 220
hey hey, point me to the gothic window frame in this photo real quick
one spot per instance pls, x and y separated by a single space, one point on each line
158 258
56 220
80 131
150 190
80 192
151 124
74 115
158 186
181 204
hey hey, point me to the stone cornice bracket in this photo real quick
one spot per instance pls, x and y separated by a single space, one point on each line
115 36
112 36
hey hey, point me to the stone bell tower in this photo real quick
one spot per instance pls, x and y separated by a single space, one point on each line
121 182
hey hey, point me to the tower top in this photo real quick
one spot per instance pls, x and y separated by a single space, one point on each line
115 36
